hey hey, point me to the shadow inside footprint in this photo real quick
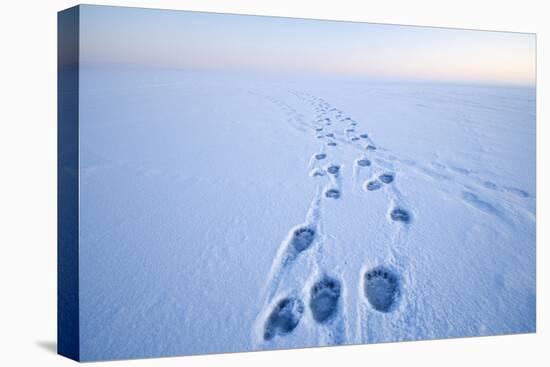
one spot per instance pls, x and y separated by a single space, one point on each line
381 288
516 191
478 203
320 156
371 147
302 238
332 193
490 185
400 215
332 144
373 185
364 136
317 173
334 169
363 162
324 299
355 138
284 318
386 178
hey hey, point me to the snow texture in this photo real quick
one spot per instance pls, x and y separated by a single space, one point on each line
225 213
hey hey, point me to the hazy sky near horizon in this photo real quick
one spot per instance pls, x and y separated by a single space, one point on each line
224 42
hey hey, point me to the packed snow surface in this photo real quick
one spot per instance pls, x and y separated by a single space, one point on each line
224 212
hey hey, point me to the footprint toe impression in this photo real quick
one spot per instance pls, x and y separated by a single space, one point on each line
284 318
325 294
381 289
302 238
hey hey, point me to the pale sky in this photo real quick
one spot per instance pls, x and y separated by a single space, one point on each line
223 42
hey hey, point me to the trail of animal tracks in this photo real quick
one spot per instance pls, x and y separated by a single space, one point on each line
281 213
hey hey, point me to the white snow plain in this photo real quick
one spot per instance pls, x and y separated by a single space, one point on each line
207 224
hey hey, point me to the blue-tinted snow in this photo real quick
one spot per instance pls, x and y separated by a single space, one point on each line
194 185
